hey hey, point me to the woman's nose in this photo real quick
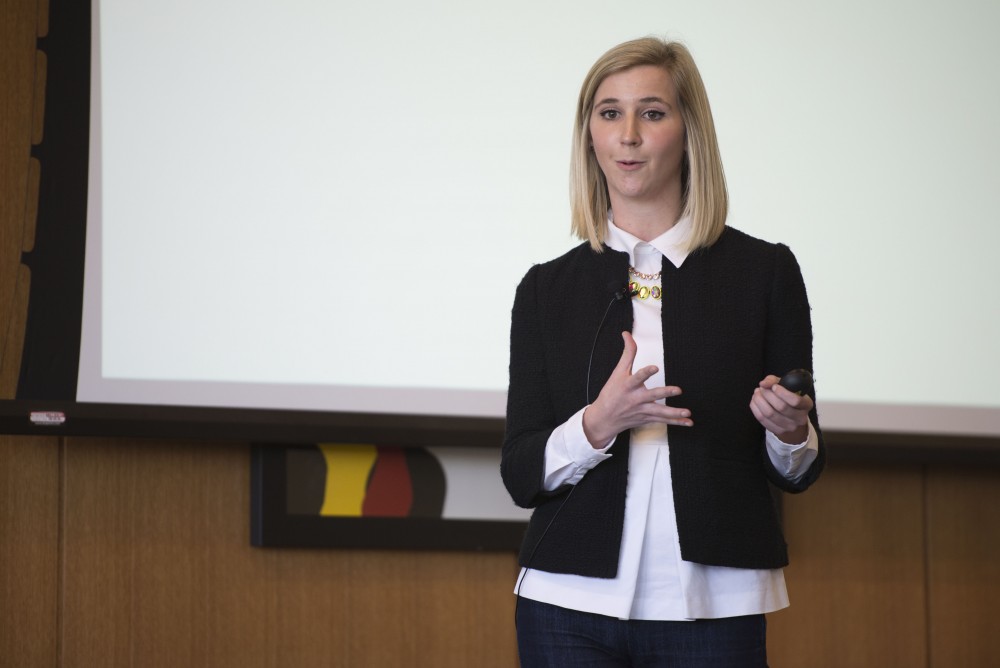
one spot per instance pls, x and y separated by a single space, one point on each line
630 132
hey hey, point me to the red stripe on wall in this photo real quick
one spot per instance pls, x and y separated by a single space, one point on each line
390 490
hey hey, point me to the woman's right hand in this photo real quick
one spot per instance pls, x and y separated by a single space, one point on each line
625 401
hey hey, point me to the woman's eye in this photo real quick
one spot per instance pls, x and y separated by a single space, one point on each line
655 115
609 114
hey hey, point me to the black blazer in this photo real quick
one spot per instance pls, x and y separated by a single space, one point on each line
732 314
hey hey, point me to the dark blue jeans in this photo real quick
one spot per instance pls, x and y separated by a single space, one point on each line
549 636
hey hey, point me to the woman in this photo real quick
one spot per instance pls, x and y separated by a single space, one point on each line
644 419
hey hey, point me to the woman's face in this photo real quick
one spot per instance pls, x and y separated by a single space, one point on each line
637 135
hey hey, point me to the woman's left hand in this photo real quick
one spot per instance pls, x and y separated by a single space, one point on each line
782 412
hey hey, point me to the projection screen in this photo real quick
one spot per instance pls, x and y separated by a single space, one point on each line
327 206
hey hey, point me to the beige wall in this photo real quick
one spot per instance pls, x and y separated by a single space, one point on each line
126 552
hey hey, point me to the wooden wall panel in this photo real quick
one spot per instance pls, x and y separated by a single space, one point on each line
856 579
29 530
29 467
963 526
159 572
381 608
18 60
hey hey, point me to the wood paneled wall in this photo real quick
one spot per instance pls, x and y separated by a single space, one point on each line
29 551
158 571
857 572
117 552
136 553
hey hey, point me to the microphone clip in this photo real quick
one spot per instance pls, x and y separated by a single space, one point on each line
627 291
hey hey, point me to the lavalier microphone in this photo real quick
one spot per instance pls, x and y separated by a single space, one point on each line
624 293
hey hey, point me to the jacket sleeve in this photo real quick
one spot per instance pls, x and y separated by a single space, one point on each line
789 346
530 414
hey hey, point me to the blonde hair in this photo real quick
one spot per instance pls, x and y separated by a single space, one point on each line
706 200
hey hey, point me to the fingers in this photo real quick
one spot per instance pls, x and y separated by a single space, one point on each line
658 413
768 416
625 401
769 382
628 355
665 392
771 403
680 417
650 410
780 398
779 410
794 399
640 376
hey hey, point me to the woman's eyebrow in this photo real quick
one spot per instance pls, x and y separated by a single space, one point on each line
644 100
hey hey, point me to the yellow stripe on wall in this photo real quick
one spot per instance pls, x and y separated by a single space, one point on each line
347 469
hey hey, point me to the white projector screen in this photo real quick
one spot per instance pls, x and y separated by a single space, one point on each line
327 206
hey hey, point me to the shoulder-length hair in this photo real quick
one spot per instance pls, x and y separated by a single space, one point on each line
705 198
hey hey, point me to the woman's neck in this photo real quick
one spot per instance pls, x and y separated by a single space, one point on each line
645 221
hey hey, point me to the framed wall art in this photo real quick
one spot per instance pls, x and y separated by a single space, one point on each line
357 495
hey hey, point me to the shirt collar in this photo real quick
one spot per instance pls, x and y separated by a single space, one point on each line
671 244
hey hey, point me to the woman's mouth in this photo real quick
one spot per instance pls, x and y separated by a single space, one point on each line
629 165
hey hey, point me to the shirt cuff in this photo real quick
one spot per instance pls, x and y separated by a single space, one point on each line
569 455
792 461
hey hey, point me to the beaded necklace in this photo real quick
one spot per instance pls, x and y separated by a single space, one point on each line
644 291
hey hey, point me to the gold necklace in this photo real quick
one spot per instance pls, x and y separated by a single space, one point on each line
645 291
646 277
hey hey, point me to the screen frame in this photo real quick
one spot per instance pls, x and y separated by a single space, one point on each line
51 354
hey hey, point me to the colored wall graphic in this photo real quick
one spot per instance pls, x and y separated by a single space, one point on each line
348 468
356 495
362 480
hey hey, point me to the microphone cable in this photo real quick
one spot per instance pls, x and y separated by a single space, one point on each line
619 295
